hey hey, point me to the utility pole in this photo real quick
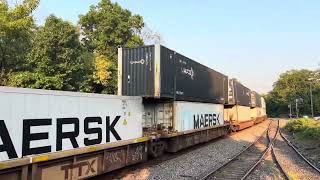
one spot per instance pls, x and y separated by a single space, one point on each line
311 101
311 96
290 111
297 108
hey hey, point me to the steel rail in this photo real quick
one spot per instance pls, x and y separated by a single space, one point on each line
275 157
279 165
270 146
299 153
236 156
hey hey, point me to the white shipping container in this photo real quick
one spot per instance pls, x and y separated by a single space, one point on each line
256 112
194 115
182 116
39 121
238 113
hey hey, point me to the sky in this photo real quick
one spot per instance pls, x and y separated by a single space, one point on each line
253 41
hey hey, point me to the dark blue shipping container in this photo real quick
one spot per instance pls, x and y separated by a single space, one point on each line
238 94
158 72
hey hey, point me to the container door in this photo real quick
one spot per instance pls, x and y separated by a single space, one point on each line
167 72
138 71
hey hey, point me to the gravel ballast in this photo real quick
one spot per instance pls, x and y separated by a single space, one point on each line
268 168
293 165
309 148
198 162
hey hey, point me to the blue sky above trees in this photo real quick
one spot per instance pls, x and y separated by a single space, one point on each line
253 41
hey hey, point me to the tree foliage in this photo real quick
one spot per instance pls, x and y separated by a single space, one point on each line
106 27
55 60
61 56
16 31
103 72
292 85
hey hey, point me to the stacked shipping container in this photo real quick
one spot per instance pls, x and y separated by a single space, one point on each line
180 94
158 72
167 79
71 130
244 107
238 108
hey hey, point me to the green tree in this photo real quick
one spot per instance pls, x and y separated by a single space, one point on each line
16 31
106 27
275 105
292 85
56 60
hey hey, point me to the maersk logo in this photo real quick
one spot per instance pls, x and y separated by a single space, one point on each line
188 72
205 120
29 138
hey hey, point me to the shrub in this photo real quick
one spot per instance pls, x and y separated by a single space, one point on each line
312 133
305 128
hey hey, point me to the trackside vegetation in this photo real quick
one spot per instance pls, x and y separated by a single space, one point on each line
60 55
291 86
304 129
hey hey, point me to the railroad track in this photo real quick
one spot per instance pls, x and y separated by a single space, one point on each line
241 165
299 153
302 162
119 174
274 158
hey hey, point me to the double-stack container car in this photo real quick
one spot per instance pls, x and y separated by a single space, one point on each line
166 102
238 108
183 99
257 110
244 107
67 135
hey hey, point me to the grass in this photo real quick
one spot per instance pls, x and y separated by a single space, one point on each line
304 129
293 176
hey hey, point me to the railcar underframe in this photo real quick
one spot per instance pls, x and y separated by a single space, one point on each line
94 160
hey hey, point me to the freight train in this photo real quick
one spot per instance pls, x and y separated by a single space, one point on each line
166 102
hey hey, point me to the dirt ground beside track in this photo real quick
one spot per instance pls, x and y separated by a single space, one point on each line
294 166
309 148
